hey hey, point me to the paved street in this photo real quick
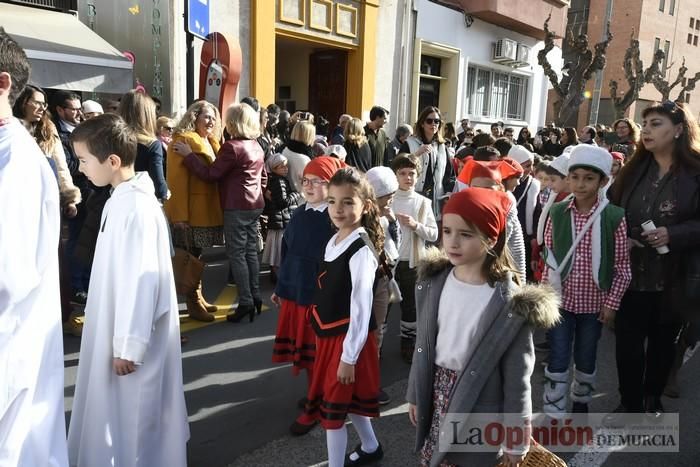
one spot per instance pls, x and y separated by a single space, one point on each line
240 405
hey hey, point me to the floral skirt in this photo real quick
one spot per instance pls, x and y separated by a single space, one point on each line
198 237
443 381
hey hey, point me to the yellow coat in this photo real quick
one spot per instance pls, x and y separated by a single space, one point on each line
193 200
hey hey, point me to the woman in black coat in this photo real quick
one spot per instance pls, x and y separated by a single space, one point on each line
359 152
659 183
280 202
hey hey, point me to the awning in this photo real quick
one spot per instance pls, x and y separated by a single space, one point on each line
64 53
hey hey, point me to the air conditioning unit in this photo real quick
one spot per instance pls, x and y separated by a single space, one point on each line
523 55
505 51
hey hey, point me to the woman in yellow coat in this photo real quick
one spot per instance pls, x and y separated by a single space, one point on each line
194 209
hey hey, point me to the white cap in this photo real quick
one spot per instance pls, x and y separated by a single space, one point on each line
520 154
561 163
90 107
383 180
336 149
585 155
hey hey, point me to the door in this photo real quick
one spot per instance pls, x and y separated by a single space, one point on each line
328 71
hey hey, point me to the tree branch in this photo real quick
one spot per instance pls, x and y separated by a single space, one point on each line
544 63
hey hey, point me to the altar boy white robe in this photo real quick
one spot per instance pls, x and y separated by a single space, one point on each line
137 420
32 423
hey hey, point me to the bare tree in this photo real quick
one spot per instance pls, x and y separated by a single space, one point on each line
636 78
570 89
657 77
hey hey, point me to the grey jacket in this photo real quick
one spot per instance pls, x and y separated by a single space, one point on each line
496 379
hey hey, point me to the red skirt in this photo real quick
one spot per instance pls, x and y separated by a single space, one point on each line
295 340
330 401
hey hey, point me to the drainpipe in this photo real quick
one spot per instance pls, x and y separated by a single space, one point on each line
597 90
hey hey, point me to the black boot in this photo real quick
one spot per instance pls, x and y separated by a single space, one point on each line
258 305
579 407
241 312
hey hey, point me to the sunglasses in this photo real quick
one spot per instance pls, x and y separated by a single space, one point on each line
169 128
41 105
432 121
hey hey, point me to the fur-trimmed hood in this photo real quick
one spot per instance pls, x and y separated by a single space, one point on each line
539 304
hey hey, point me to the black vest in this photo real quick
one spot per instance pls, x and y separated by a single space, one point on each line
331 312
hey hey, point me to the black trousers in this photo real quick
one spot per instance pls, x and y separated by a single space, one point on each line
643 372
406 278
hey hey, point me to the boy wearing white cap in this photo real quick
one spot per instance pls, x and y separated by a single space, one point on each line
385 184
586 254
527 199
91 109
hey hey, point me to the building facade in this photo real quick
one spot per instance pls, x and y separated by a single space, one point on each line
668 25
478 60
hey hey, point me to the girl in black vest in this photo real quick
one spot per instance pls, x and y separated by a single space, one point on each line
346 370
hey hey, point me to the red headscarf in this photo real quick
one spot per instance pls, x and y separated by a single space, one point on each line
480 169
485 208
511 168
618 156
324 167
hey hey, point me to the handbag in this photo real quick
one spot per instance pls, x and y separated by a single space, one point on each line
554 275
187 269
538 456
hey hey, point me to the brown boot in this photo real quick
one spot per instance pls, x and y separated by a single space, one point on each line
200 298
196 310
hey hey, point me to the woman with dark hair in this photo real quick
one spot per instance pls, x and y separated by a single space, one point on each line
451 135
659 183
524 136
437 176
569 137
627 136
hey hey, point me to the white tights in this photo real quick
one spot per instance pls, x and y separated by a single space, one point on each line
337 440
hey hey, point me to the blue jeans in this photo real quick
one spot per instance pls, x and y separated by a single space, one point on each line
241 233
580 330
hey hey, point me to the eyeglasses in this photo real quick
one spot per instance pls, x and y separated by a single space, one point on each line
76 109
432 121
41 105
316 182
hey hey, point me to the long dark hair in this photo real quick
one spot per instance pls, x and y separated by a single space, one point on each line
44 131
499 262
418 130
686 149
370 219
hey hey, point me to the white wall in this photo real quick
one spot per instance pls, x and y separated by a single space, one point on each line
445 26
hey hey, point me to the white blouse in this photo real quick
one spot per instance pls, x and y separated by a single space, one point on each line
459 325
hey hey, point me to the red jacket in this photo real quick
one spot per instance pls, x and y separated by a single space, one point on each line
240 170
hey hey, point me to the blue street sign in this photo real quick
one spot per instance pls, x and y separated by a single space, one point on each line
198 17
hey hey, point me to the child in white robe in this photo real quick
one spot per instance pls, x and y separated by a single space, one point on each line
129 407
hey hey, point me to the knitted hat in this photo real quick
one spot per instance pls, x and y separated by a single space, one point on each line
336 149
323 167
561 164
618 156
90 107
485 208
480 169
510 168
383 180
520 154
274 160
591 157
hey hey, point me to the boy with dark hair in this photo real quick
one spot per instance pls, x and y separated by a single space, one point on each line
32 423
486 154
132 325
418 226
503 145
587 259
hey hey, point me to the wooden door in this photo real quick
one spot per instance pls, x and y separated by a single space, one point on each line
328 71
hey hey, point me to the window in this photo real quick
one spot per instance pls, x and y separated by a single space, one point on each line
692 23
657 44
697 25
695 40
672 9
429 85
667 48
497 94
687 98
662 5
690 38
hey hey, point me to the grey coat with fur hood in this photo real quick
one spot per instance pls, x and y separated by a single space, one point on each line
496 379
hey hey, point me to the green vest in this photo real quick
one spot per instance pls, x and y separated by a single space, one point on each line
562 239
